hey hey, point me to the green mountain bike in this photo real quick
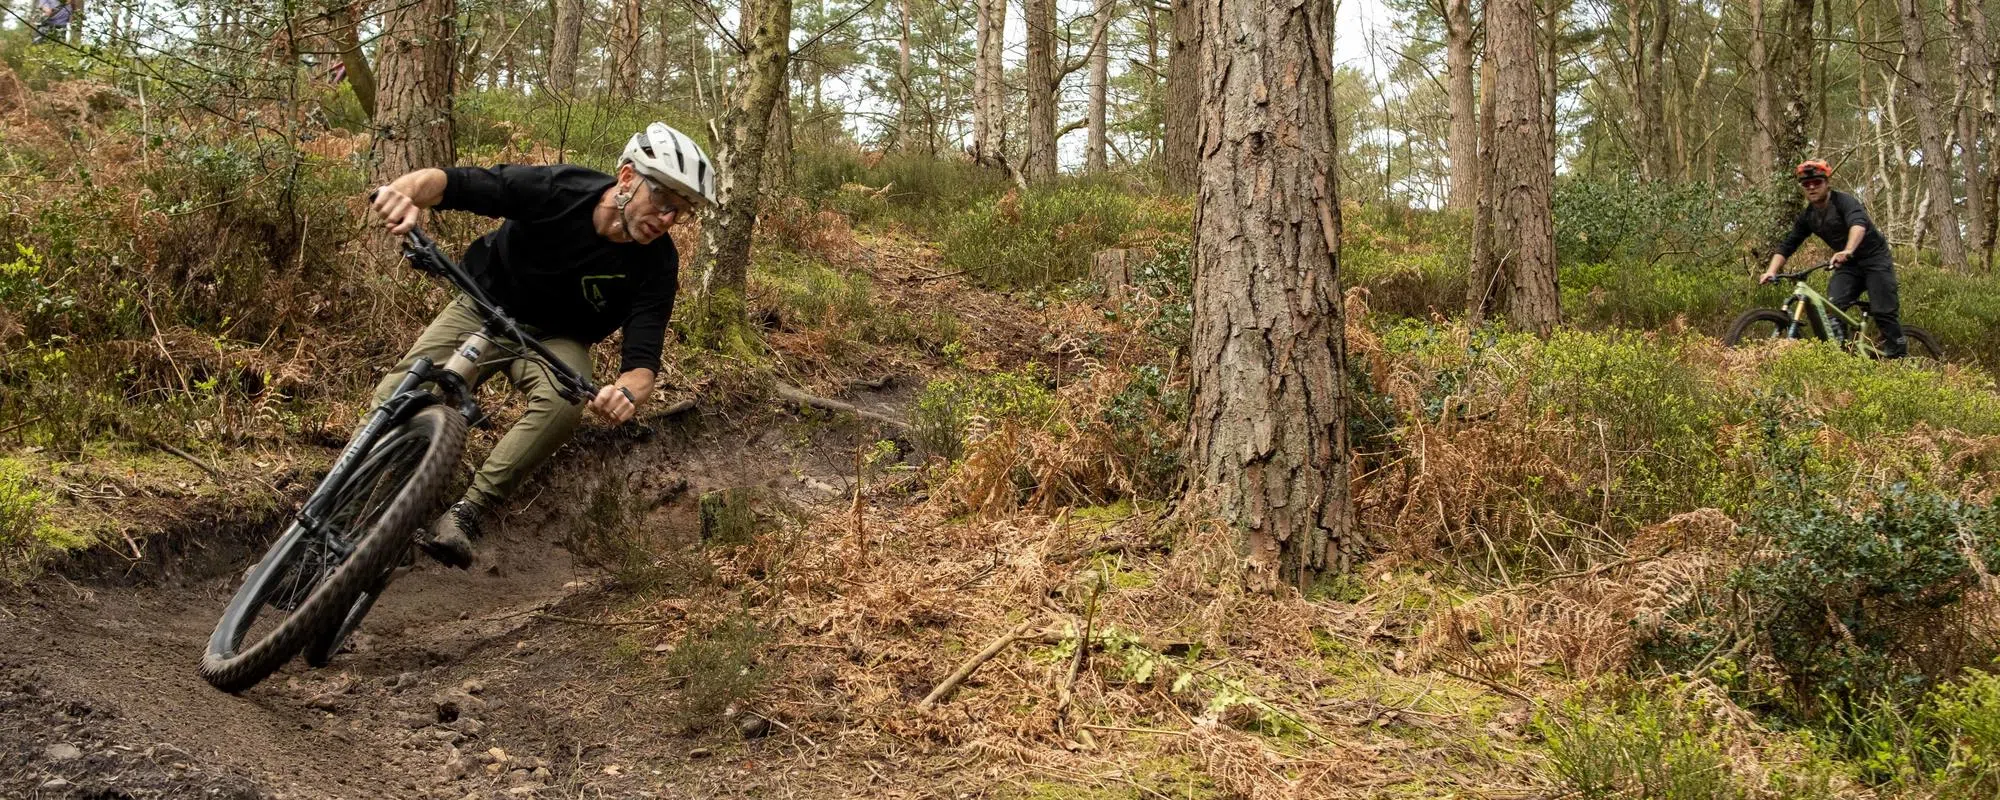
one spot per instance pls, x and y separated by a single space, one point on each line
339 551
1808 314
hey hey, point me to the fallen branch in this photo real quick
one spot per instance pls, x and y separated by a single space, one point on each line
794 394
677 409
603 623
966 669
213 473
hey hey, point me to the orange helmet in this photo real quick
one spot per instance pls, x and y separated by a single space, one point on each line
1813 169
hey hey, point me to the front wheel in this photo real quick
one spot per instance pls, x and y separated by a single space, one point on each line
1758 325
304 588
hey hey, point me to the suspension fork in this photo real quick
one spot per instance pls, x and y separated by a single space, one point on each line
312 516
1797 308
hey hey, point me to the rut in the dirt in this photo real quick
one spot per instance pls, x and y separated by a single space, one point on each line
461 683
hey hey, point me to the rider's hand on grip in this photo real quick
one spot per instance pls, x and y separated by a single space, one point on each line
398 212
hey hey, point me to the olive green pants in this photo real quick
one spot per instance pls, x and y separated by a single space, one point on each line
549 420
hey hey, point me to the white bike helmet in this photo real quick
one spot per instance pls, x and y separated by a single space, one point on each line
671 159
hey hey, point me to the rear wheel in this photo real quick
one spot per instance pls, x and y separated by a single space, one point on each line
304 589
1757 325
1922 343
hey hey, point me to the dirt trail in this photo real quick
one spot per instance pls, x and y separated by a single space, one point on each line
99 698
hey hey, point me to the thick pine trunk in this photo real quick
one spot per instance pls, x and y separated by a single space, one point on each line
1941 216
413 120
1523 229
746 127
989 91
1269 420
1039 163
625 52
1184 88
563 49
1464 135
1100 87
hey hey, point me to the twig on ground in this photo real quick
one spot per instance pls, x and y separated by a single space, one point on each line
615 623
1488 683
965 670
188 457
794 394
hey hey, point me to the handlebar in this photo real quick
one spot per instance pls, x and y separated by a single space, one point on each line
1802 274
425 256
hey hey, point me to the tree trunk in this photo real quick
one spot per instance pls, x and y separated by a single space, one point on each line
778 150
1100 86
1482 286
1184 90
1763 111
1523 229
905 120
1656 104
1269 423
989 91
1942 216
413 126
745 128
1039 163
562 51
1966 109
1464 135
360 77
1792 141
625 52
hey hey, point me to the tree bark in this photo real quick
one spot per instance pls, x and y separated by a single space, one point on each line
1268 428
1763 111
905 120
625 52
563 49
1966 104
1523 228
745 128
1793 141
1094 161
1656 79
989 91
1464 134
1184 87
1039 163
778 147
413 124
1482 287
1942 216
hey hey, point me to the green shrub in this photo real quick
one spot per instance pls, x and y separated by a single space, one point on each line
720 670
1966 720
25 527
1650 412
589 134
1660 749
951 409
1048 235
1863 398
1860 605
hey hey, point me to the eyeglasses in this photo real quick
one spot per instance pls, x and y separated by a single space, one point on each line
668 202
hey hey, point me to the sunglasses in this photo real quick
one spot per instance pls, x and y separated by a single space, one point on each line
1813 183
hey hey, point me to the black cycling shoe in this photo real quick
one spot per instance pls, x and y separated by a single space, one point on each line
451 536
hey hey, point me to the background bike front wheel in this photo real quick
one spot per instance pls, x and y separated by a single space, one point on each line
1757 325
300 592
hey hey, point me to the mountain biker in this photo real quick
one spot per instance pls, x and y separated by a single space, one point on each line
580 254
1862 261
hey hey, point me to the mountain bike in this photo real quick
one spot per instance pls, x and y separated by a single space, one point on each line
340 550
1807 313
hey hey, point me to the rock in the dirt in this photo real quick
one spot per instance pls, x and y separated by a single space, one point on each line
752 725
526 790
470 726
495 756
472 686
63 752
542 774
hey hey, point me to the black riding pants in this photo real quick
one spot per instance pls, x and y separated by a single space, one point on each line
1878 278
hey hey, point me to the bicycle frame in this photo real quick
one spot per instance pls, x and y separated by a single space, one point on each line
455 382
1807 305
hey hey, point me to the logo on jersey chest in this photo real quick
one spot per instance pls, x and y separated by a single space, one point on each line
598 289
